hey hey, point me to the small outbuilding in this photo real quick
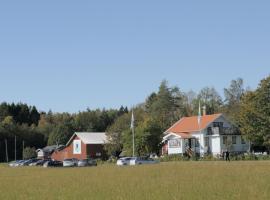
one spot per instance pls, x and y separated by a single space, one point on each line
47 151
83 145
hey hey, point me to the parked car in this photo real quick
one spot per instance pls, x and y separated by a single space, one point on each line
15 163
87 162
123 161
40 162
25 162
36 162
29 162
53 163
142 161
73 162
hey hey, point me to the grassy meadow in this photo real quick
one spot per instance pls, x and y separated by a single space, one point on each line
174 180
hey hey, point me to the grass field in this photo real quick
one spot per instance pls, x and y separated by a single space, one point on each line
179 180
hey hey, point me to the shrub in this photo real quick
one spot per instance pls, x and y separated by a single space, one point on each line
170 158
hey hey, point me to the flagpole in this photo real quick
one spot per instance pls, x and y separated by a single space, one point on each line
15 149
199 123
6 150
133 133
133 140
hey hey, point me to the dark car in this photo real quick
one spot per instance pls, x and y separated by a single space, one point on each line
28 162
39 163
53 163
87 162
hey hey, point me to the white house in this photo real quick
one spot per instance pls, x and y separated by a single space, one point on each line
213 134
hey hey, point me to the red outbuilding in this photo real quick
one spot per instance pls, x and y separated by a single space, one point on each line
82 146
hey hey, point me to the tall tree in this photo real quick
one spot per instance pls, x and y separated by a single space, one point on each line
233 95
210 98
254 116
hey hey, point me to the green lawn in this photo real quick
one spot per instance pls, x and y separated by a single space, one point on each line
176 180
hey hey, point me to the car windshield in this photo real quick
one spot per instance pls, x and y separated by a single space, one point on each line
126 158
68 160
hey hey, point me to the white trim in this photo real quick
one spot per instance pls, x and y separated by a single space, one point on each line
171 134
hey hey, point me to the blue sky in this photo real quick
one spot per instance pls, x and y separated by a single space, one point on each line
70 55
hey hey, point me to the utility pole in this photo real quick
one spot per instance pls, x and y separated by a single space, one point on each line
15 149
22 149
6 150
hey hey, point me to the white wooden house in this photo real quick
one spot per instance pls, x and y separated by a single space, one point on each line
213 135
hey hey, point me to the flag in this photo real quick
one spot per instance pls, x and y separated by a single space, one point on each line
132 121
199 115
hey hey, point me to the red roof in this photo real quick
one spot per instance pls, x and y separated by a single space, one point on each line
190 124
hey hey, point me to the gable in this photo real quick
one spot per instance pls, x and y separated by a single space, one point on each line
226 123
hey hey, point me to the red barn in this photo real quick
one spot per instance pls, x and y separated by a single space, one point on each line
82 146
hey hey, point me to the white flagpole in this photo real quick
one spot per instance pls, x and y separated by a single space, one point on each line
133 134
199 123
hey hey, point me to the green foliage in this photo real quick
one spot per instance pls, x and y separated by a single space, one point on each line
166 106
21 113
233 95
115 134
173 158
29 153
254 115
60 135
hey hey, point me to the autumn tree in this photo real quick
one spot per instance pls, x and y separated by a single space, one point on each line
254 116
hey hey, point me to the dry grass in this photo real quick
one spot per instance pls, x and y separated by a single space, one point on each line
181 180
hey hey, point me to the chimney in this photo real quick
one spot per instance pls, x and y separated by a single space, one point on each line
204 110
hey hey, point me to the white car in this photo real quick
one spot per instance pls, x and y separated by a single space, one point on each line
124 161
142 161
70 162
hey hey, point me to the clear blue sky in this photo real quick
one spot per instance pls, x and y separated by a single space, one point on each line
70 55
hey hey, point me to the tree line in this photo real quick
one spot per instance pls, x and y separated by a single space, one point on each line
249 111
33 129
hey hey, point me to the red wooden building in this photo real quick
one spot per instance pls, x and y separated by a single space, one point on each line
82 146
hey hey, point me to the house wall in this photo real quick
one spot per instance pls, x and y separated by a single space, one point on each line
67 152
216 141
175 150
238 147
95 151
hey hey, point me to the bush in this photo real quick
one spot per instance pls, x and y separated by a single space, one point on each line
209 158
170 158
247 157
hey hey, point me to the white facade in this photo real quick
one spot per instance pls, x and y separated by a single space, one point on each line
211 140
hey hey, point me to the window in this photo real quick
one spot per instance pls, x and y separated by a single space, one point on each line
234 139
225 140
243 141
197 143
209 131
206 141
174 143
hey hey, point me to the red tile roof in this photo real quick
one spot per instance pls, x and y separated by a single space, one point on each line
187 125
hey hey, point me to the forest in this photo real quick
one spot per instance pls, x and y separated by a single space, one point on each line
248 110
